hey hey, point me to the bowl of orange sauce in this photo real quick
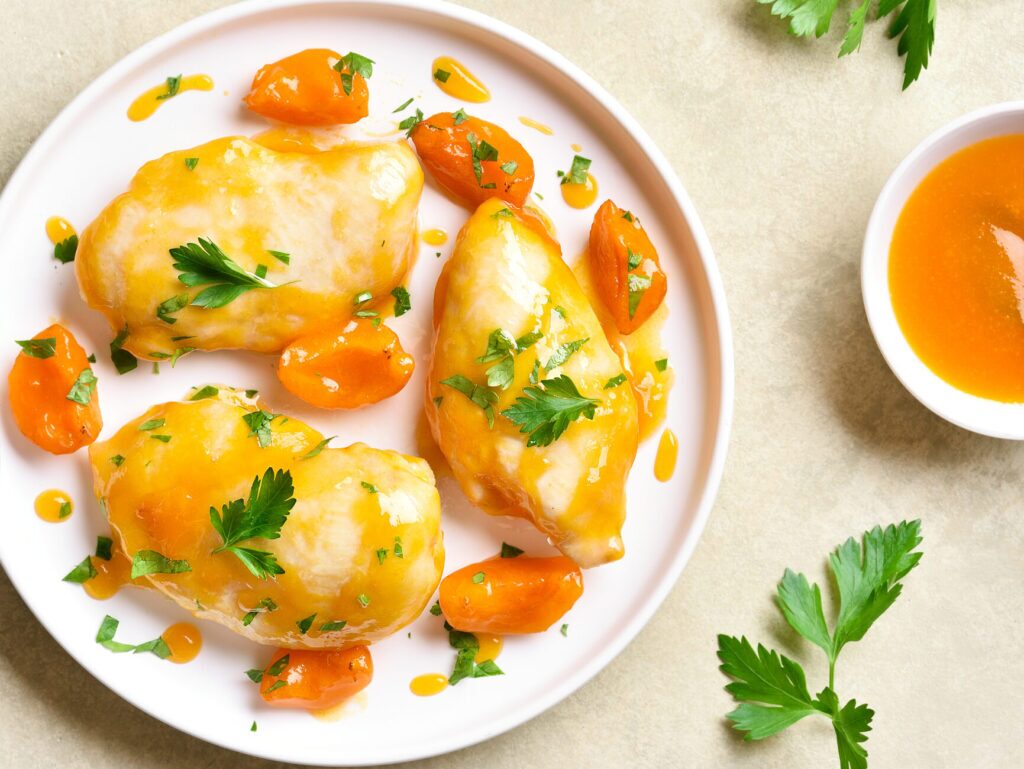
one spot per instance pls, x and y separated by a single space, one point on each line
943 271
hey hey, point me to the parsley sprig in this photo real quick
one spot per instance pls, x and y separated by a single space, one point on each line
262 515
772 689
914 25
352 64
204 263
545 412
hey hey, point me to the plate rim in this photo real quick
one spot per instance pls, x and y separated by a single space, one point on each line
708 264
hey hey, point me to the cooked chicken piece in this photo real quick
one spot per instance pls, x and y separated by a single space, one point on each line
506 275
344 218
361 549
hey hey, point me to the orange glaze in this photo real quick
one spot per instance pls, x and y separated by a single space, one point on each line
427 448
59 229
668 452
148 103
428 684
956 269
580 195
110 577
461 83
490 646
54 506
435 236
639 353
184 640
529 123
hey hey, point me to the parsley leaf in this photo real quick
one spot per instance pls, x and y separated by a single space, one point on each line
204 263
318 448
352 64
82 572
105 638
411 122
915 27
282 256
510 551
637 285
329 627
151 562
615 381
204 392
265 605
771 688
403 105
481 396
83 388
403 302
104 548
191 163
442 75
481 151
546 413
66 250
123 360
173 85
165 309
39 348
259 425
306 623
578 172
261 516
564 352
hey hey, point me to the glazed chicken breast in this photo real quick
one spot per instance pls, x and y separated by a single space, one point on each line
521 394
360 552
308 229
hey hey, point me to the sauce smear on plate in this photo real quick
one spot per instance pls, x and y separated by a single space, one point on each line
148 103
428 684
452 77
956 269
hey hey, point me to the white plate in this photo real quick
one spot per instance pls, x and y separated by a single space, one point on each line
88 155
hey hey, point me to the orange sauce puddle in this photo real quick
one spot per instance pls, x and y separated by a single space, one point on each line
490 647
435 236
668 452
461 83
639 353
428 684
110 577
148 103
59 229
184 640
530 123
54 506
956 269
580 195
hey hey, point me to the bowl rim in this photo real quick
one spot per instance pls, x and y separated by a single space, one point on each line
996 419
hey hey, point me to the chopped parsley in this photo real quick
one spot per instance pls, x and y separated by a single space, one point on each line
319 447
152 424
382 555
277 685
637 285
478 578
66 250
467 646
191 163
265 605
564 352
442 75
82 572
578 172
161 438
151 562
105 638
363 599
402 106
83 388
253 727
398 551
278 667
481 151
173 85
104 548
165 309
510 551
306 623
403 302
633 259
510 167
204 263
459 116
436 609
481 396
546 412
261 516
615 381
352 64
564 630
255 675
204 392
329 627
64 510
39 348
117 460
661 364
369 487
281 256
411 122
502 213
259 425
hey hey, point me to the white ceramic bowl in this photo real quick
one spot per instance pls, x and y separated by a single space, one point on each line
980 415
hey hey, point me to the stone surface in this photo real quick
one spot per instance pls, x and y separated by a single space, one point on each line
783 149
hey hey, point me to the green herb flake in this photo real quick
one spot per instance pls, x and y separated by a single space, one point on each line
64 510
637 285
265 605
564 630
104 548
83 388
83 572
411 122
510 551
363 599
403 302
270 501
306 623
661 364
329 627
564 352
258 423
166 308
459 116
117 460
278 684
65 251
435 609
352 64
253 727
478 578
382 555
615 381
397 549
481 396
255 675
151 562
173 85
503 213
578 172
191 163
278 667
402 106
442 75
204 392
38 348
633 259
481 152
369 487
510 167
319 447
152 424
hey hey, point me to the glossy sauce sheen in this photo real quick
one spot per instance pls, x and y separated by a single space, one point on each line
59 229
461 83
956 269
148 103
490 646
428 684
110 577
54 506
435 236
530 123
668 452
184 640
580 195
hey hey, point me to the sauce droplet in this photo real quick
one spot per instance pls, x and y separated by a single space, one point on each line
54 506
110 577
458 82
435 237
665 461
580 195
530 123
59 229
146 104
576 147
184 640
428 685
490 647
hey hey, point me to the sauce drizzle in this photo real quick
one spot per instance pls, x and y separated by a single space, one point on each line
110 577
452 77
54 506
428 684
530 123
668 452
435 237
148 103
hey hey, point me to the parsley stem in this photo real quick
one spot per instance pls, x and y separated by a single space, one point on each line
832 673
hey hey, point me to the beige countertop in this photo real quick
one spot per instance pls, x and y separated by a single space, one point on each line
783 149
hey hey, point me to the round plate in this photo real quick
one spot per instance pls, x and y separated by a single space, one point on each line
88 155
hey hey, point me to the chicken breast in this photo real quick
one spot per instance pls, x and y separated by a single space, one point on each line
361 550
506 280
342 220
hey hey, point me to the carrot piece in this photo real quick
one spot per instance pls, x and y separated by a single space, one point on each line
315 679
473 160
305 89
345 368
626 267
510 595
53 393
